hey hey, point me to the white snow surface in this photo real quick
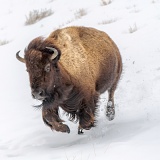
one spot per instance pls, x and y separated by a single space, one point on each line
134 134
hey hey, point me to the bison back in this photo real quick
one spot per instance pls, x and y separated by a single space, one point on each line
88 55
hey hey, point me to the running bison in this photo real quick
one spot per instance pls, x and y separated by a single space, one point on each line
70 69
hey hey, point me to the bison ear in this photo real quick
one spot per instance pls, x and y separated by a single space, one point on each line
55 55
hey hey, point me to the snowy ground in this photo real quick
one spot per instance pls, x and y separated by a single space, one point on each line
135 132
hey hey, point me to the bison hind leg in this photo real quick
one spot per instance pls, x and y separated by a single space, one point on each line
110 111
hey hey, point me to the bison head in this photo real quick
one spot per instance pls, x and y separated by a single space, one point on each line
41 59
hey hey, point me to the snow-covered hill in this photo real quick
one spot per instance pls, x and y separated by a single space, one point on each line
135 132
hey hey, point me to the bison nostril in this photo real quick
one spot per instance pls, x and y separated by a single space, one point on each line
41 92
33 95
36 94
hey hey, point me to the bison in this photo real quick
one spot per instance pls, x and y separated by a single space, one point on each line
70 69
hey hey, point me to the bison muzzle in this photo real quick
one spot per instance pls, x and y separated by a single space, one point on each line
70 69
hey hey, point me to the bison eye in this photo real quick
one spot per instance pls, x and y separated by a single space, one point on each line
47 68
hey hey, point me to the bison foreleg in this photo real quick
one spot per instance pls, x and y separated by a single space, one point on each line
86 119
52 119
87 115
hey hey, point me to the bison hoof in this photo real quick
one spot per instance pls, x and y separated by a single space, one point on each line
86 126
61 128
65 128
110 113
80 131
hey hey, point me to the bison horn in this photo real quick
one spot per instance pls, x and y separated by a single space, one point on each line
55 52
20 58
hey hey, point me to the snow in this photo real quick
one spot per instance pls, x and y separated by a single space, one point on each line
135 131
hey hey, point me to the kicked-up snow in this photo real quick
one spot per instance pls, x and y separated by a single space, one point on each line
134 134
